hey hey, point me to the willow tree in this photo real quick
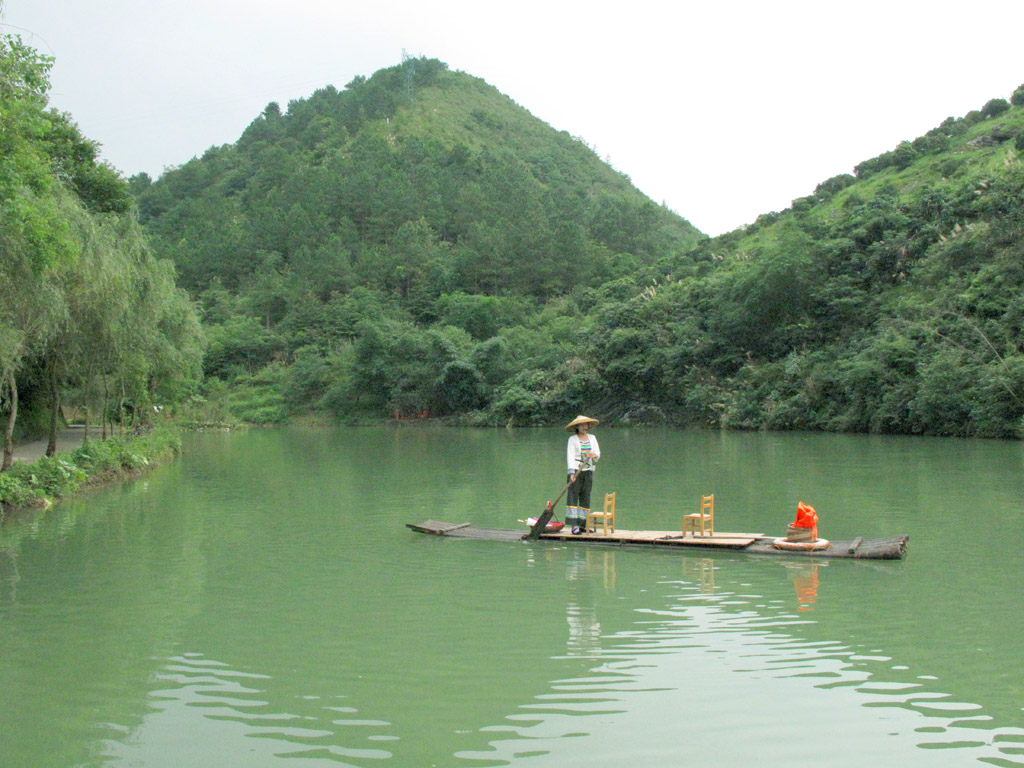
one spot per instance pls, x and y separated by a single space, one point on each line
94 287
33 235
127 325
81 294
151 345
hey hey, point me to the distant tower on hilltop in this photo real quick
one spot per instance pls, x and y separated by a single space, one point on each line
409 68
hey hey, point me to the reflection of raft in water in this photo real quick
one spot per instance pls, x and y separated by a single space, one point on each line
864 549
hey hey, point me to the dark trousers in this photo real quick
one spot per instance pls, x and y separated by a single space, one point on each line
577 500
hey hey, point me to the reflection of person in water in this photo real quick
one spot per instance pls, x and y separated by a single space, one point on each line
584 628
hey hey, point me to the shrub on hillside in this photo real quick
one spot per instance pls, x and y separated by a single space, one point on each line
995 107
830 187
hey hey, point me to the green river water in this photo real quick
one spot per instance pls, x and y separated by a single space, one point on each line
260 602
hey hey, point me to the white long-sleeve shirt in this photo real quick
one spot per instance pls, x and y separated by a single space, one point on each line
582 451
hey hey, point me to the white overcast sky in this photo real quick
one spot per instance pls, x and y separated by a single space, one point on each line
721 109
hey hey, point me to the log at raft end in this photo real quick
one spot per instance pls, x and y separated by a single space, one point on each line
882 549
892 548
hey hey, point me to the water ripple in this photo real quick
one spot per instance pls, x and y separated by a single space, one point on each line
232 718
701 653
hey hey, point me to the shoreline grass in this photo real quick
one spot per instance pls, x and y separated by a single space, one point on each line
40 483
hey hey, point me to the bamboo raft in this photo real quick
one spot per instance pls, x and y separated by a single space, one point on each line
754 543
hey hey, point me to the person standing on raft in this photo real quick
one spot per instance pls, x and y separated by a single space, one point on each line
581 455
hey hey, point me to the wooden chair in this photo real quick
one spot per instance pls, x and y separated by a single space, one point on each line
704 520
607 517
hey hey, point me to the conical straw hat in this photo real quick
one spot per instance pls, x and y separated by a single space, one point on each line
571 426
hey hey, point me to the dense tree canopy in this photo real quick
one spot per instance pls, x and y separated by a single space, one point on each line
417 244
84 305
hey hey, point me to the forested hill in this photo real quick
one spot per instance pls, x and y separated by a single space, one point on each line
417 244
889 300
415 182
419 210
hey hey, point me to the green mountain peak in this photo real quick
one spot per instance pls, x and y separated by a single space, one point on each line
515 206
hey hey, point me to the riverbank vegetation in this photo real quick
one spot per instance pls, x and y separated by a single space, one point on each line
50 478
87 312
418 245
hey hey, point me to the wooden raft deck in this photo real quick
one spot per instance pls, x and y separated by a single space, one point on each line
756 543
666 538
